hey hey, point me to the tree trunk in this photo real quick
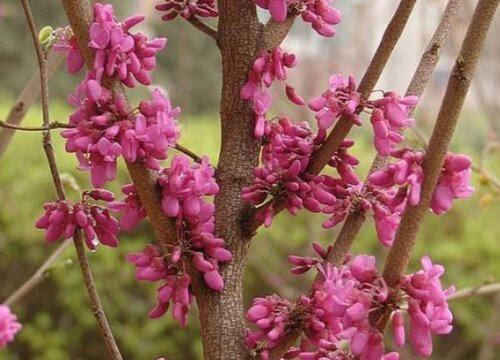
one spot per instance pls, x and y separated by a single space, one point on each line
222 314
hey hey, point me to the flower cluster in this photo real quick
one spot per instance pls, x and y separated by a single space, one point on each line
103 129
389 118
319 13
428 309
62 219
9 326
184 186
285 157
267 68
187 9
407 173
151 265
130 57
131 207
338 310
341 99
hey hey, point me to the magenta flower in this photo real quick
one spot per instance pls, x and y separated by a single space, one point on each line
187 9
389 119
319 13
9 326
341 99
132 208
454 183
130 57
61 219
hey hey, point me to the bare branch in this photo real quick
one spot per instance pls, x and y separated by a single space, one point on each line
451 106
111 345
39 276
53 125
203 27
189 153
480 290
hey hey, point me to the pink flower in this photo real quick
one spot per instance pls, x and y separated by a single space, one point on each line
319 13
132 208
453 183
9 326
267 68
341 99
61 219
118 52
187 9
389 118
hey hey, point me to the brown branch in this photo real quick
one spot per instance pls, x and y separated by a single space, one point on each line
189 153
423 73
111 345
451 106
203 27
38 276
26 98
389 40
273 33
481 290
53 125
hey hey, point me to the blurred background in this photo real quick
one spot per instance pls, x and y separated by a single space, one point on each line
58 322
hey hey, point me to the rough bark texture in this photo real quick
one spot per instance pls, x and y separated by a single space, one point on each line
221 314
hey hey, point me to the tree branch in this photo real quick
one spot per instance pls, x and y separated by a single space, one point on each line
26 98
423 73
273 33
111 345
203 27
481 290
451 106
53 125
38 276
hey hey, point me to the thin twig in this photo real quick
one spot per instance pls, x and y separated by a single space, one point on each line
423 73
481 290
26 98
53 125
203 27
107 334
189 153
38 276
321 157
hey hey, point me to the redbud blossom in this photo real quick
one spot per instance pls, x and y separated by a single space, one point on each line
9 326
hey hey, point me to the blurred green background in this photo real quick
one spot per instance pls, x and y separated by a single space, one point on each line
58 322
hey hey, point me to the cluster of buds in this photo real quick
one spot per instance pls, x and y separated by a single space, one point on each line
131 208
319 13
104 128
338 310
187 9
407 174
152 266
61 219
269 66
